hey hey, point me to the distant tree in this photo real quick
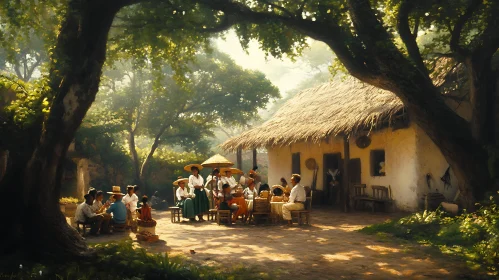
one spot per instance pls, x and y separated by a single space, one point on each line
216 90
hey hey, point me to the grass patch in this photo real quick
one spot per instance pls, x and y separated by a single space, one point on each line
471 236
119 260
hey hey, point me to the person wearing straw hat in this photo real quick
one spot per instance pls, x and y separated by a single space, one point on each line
213 183
118 208
196 186
239 200
184 200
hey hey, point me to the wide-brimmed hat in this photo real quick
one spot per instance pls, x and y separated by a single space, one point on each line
116 190
180 179
232 170
189 166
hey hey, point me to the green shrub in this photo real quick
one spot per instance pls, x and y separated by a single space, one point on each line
473 236
114 261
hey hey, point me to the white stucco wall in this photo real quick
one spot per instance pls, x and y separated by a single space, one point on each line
400 165
409 156
431 160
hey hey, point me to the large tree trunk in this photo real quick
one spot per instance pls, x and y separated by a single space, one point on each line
135 156
74 78
145 165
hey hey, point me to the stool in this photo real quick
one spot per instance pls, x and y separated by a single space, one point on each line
212 214
119 227
224 215
175 214
84 226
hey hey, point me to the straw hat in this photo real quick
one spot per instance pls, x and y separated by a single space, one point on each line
180 179
217 161
116 190
232 170
189 166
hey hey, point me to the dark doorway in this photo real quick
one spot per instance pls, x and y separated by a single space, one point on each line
332 184
354 171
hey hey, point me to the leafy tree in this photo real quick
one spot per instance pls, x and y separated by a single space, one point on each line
216 91
357 31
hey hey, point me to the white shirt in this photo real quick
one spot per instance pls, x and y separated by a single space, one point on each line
193 181
96 206
211 182
297 194
247 192
181 192
231 181
84 211
131 202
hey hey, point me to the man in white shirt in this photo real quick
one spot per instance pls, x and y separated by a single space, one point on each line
130 200
297 198
85 214
227 179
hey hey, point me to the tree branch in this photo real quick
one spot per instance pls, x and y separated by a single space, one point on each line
409 38
277 7
458 28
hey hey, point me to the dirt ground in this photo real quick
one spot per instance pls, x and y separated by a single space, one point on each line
328 249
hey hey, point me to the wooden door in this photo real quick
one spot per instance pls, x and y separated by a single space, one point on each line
354 171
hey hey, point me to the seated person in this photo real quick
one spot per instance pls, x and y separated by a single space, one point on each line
184 200
264 187
296 199
250 192
84 214
145 218
226 201
118 208
130 200
99 208
277 191
284 184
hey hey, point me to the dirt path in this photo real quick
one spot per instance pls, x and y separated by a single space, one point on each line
329 249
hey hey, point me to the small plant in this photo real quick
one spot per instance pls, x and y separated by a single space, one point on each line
68 200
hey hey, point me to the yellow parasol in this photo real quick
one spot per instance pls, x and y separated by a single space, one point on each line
217 161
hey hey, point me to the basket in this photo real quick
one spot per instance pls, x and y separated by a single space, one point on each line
264 194
261 205
151 223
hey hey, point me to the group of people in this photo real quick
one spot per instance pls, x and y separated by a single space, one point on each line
120 209
228 194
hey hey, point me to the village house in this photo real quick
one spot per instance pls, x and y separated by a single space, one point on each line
323 127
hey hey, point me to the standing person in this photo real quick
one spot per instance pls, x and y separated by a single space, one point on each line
130 200
196 186
117 208
297 199
184 200
213 183
84 214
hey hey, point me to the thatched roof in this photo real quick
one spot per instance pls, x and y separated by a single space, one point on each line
344 107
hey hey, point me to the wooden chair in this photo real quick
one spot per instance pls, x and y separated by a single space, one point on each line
359 195
84 226
175 210
380 196
224 215
304 215
212 213
261 209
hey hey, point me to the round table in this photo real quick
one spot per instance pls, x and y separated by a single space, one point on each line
276 210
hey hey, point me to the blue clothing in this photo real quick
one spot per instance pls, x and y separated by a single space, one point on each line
118 209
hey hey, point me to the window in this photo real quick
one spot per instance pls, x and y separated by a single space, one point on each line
295 163
378 163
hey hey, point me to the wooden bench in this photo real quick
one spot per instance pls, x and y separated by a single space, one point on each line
380 197
261 209
359 195
84 226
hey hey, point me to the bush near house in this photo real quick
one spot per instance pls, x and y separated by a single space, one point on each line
472 236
